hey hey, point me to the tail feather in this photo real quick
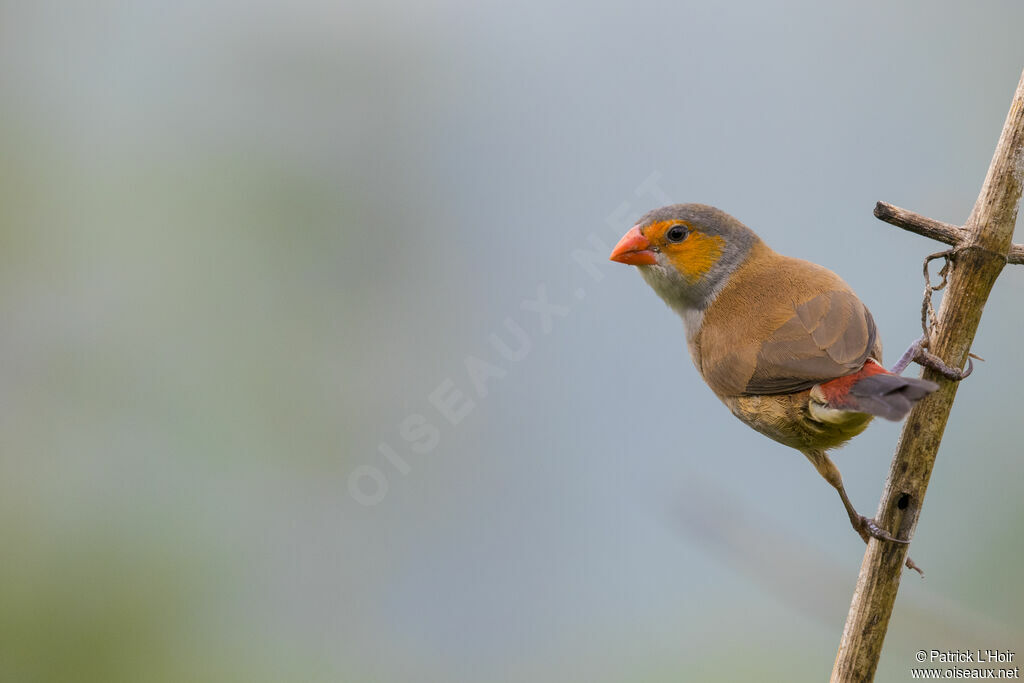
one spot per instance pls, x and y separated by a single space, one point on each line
876 391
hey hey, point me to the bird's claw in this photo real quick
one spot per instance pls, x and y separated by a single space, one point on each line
917 353
870 528
930 360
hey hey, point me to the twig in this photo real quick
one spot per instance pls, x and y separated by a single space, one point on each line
937 230
980 251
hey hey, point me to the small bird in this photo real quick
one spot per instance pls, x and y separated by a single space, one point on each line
783 342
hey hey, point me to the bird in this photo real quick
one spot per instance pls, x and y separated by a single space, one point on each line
784 343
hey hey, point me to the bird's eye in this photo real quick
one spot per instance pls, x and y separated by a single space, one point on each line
677 233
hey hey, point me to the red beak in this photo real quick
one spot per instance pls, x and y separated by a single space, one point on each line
634 249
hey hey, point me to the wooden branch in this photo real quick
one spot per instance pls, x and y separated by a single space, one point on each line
977 262
937 230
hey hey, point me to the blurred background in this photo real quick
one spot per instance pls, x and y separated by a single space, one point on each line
313 367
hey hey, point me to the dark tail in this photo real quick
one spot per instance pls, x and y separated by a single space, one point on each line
876 391
889 396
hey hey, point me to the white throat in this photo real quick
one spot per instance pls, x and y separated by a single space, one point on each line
693 319
667 283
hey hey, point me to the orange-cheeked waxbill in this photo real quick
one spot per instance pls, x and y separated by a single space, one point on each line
783 342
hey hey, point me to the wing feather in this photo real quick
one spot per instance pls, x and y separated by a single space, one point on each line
828 336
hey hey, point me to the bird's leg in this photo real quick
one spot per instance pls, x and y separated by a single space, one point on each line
919 354
908 357
866 527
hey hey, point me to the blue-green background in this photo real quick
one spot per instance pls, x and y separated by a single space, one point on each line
241 242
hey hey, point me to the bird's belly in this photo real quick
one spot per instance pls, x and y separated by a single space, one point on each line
786 418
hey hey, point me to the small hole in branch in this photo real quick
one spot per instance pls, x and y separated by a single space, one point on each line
903 502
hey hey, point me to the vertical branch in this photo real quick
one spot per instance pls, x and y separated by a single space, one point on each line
977 260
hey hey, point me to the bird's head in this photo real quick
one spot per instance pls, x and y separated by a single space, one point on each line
686 252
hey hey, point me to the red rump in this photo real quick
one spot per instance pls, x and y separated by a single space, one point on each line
837 391
876 391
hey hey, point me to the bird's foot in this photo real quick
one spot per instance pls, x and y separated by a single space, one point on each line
930 360
918 353
868 528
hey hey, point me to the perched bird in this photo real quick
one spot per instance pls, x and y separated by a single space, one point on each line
783 342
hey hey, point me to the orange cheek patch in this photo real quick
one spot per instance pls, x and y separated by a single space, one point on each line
696 255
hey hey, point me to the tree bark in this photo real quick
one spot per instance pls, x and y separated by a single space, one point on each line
981 249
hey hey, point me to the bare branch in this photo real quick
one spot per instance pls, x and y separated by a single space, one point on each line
936 230
922 225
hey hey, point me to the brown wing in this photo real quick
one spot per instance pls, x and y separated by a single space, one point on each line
828 336
761 336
